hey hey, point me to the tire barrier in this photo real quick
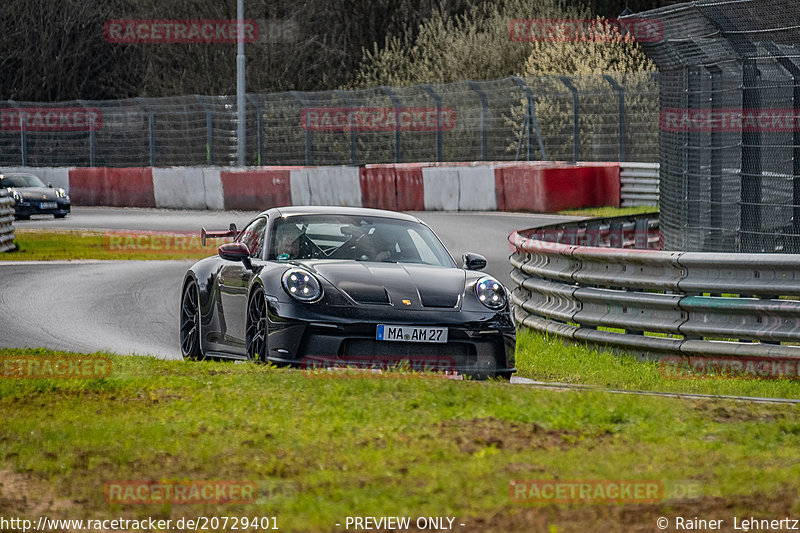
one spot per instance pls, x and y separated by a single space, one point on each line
607 282
504 186
638 184
6 222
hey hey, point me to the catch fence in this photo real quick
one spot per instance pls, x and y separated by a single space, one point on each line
610 117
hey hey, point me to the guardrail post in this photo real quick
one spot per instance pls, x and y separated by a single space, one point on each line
641 233
353 131
309 147
438 99
398 154
621 106
484 118
576 132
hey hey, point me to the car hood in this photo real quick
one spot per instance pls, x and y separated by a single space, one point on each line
36 193
401 285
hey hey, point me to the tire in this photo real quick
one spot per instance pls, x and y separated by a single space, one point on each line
256 332
60 215
190 323
23 217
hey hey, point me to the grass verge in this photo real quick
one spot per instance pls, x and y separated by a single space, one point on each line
605 212
324 449
49 245
549 359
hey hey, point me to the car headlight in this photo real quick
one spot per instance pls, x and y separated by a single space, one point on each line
61 193
17 196
301 285
491 293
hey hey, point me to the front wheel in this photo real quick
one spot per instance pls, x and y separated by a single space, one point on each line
190 323
256 334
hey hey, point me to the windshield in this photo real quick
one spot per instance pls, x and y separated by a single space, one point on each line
20 180
356 238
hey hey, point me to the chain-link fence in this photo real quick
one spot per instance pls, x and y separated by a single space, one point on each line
730 124
590 118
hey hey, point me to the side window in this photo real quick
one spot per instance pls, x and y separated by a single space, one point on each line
253 237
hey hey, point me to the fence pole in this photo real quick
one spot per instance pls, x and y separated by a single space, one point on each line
484 118
398 154
438 99
209 129
693 170
23 141
151 125
259 127
717 103
576 131
532 122
623 155
353 131
751 162
92 140
794 71
309 149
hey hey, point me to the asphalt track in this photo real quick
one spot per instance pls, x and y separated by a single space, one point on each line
131 307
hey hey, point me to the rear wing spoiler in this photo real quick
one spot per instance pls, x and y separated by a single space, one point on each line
221 234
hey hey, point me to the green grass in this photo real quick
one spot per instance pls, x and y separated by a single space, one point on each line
550 359
324 449
48 245
605 212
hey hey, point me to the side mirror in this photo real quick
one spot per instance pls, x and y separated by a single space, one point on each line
235 251
49 185
473 261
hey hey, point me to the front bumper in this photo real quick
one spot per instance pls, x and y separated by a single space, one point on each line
28 208
479 350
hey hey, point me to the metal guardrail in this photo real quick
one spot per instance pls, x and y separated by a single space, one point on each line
638 184
6 220
607 282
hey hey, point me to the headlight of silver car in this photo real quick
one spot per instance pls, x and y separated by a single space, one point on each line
301 285
491 293
17 196
61 193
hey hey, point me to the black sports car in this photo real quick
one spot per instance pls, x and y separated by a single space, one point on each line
33 197
333 287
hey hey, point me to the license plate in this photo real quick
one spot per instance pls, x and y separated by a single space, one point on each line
387 332
48 205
